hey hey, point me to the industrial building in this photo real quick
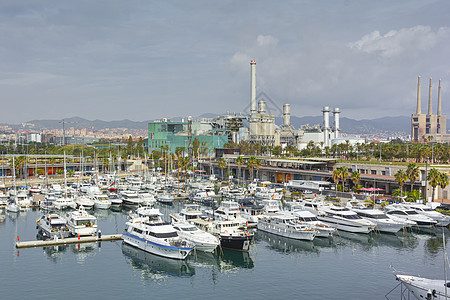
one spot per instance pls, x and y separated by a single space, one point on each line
426 126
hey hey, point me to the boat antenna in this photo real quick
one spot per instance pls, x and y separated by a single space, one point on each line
445 262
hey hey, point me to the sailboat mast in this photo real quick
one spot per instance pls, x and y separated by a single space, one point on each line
445 262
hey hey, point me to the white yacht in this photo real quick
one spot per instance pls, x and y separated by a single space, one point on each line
441 219
22 199
81 223
203 241
12 206
52 225
232 234
287 226
308 218
165 198
147 199
115 200
84 201
63 203
344 219
155 236
187 214
383 222
251 212
425 288
101 201
399 212
271 206
130 198
228 210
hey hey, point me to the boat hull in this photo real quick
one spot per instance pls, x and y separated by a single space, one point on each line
345 226
307 235
422 287
155 248
241 243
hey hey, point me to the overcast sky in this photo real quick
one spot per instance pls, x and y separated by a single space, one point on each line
142 60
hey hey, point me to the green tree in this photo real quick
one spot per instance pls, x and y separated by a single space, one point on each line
443 181
412 173
52 162
433 178
240 161
130 145
344 175
251 164
400 178
195 147
336 176
355 177
222 165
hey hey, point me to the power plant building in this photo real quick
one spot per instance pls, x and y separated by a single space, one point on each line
429 126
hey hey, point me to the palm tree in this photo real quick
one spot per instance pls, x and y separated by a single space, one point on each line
344 176
222 165
433 178
412 173
52 162
336 177
443 181
355 178
240 161
251 164
400 178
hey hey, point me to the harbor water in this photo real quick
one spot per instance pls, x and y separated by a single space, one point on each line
350 266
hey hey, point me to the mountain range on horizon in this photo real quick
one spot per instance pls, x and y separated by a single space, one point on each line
397 125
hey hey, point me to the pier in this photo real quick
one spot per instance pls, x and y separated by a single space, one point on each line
74 240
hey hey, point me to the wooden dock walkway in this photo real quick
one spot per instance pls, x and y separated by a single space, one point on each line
74 240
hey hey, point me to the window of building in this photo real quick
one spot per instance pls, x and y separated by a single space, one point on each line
373 172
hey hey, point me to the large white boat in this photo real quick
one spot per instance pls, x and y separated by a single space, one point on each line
422 209
101 201
165 198
228 210
287 226
308 218
81 223
63 203
130 198
383 222
12 206
52 225
425 288
155 236
203 241
231 234
115 200
84 201
147 199
398 212
251 212
187 214
271 206
344 219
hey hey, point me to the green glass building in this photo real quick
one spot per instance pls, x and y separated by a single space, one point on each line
176 134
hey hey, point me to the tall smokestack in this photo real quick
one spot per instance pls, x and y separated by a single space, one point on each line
419 104
336 113
430 106
439 111
286 114
252 87
326 124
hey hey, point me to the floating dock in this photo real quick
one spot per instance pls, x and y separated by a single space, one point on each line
74 240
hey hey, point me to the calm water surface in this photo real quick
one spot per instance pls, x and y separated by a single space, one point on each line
352 266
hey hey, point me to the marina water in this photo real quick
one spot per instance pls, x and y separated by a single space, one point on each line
351 266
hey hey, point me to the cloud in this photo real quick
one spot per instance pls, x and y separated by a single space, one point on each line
411 41
266 41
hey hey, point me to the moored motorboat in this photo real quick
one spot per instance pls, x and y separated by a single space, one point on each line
156 236
307 217
344 219
52 225
383 222
203 241
81 223
425 288
287 226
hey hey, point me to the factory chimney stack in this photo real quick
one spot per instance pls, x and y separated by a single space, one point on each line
252 88
430 106
419 104
286 114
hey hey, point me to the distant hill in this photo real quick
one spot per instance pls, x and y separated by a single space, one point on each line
78 123
400 124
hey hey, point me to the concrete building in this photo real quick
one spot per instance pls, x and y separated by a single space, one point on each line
426 126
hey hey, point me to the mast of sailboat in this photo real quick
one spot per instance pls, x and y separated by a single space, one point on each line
14 178
65 175
445 262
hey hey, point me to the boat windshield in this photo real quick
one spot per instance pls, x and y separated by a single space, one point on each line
164 235
412 212
193 228
351 217
85 222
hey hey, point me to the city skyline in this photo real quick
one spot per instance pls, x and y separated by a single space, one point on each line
112 60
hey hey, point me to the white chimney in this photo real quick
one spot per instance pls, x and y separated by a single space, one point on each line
326 125
286 114
252 87
336 113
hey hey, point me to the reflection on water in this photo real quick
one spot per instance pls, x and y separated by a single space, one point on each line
55 253
287 246
84 250
156 268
